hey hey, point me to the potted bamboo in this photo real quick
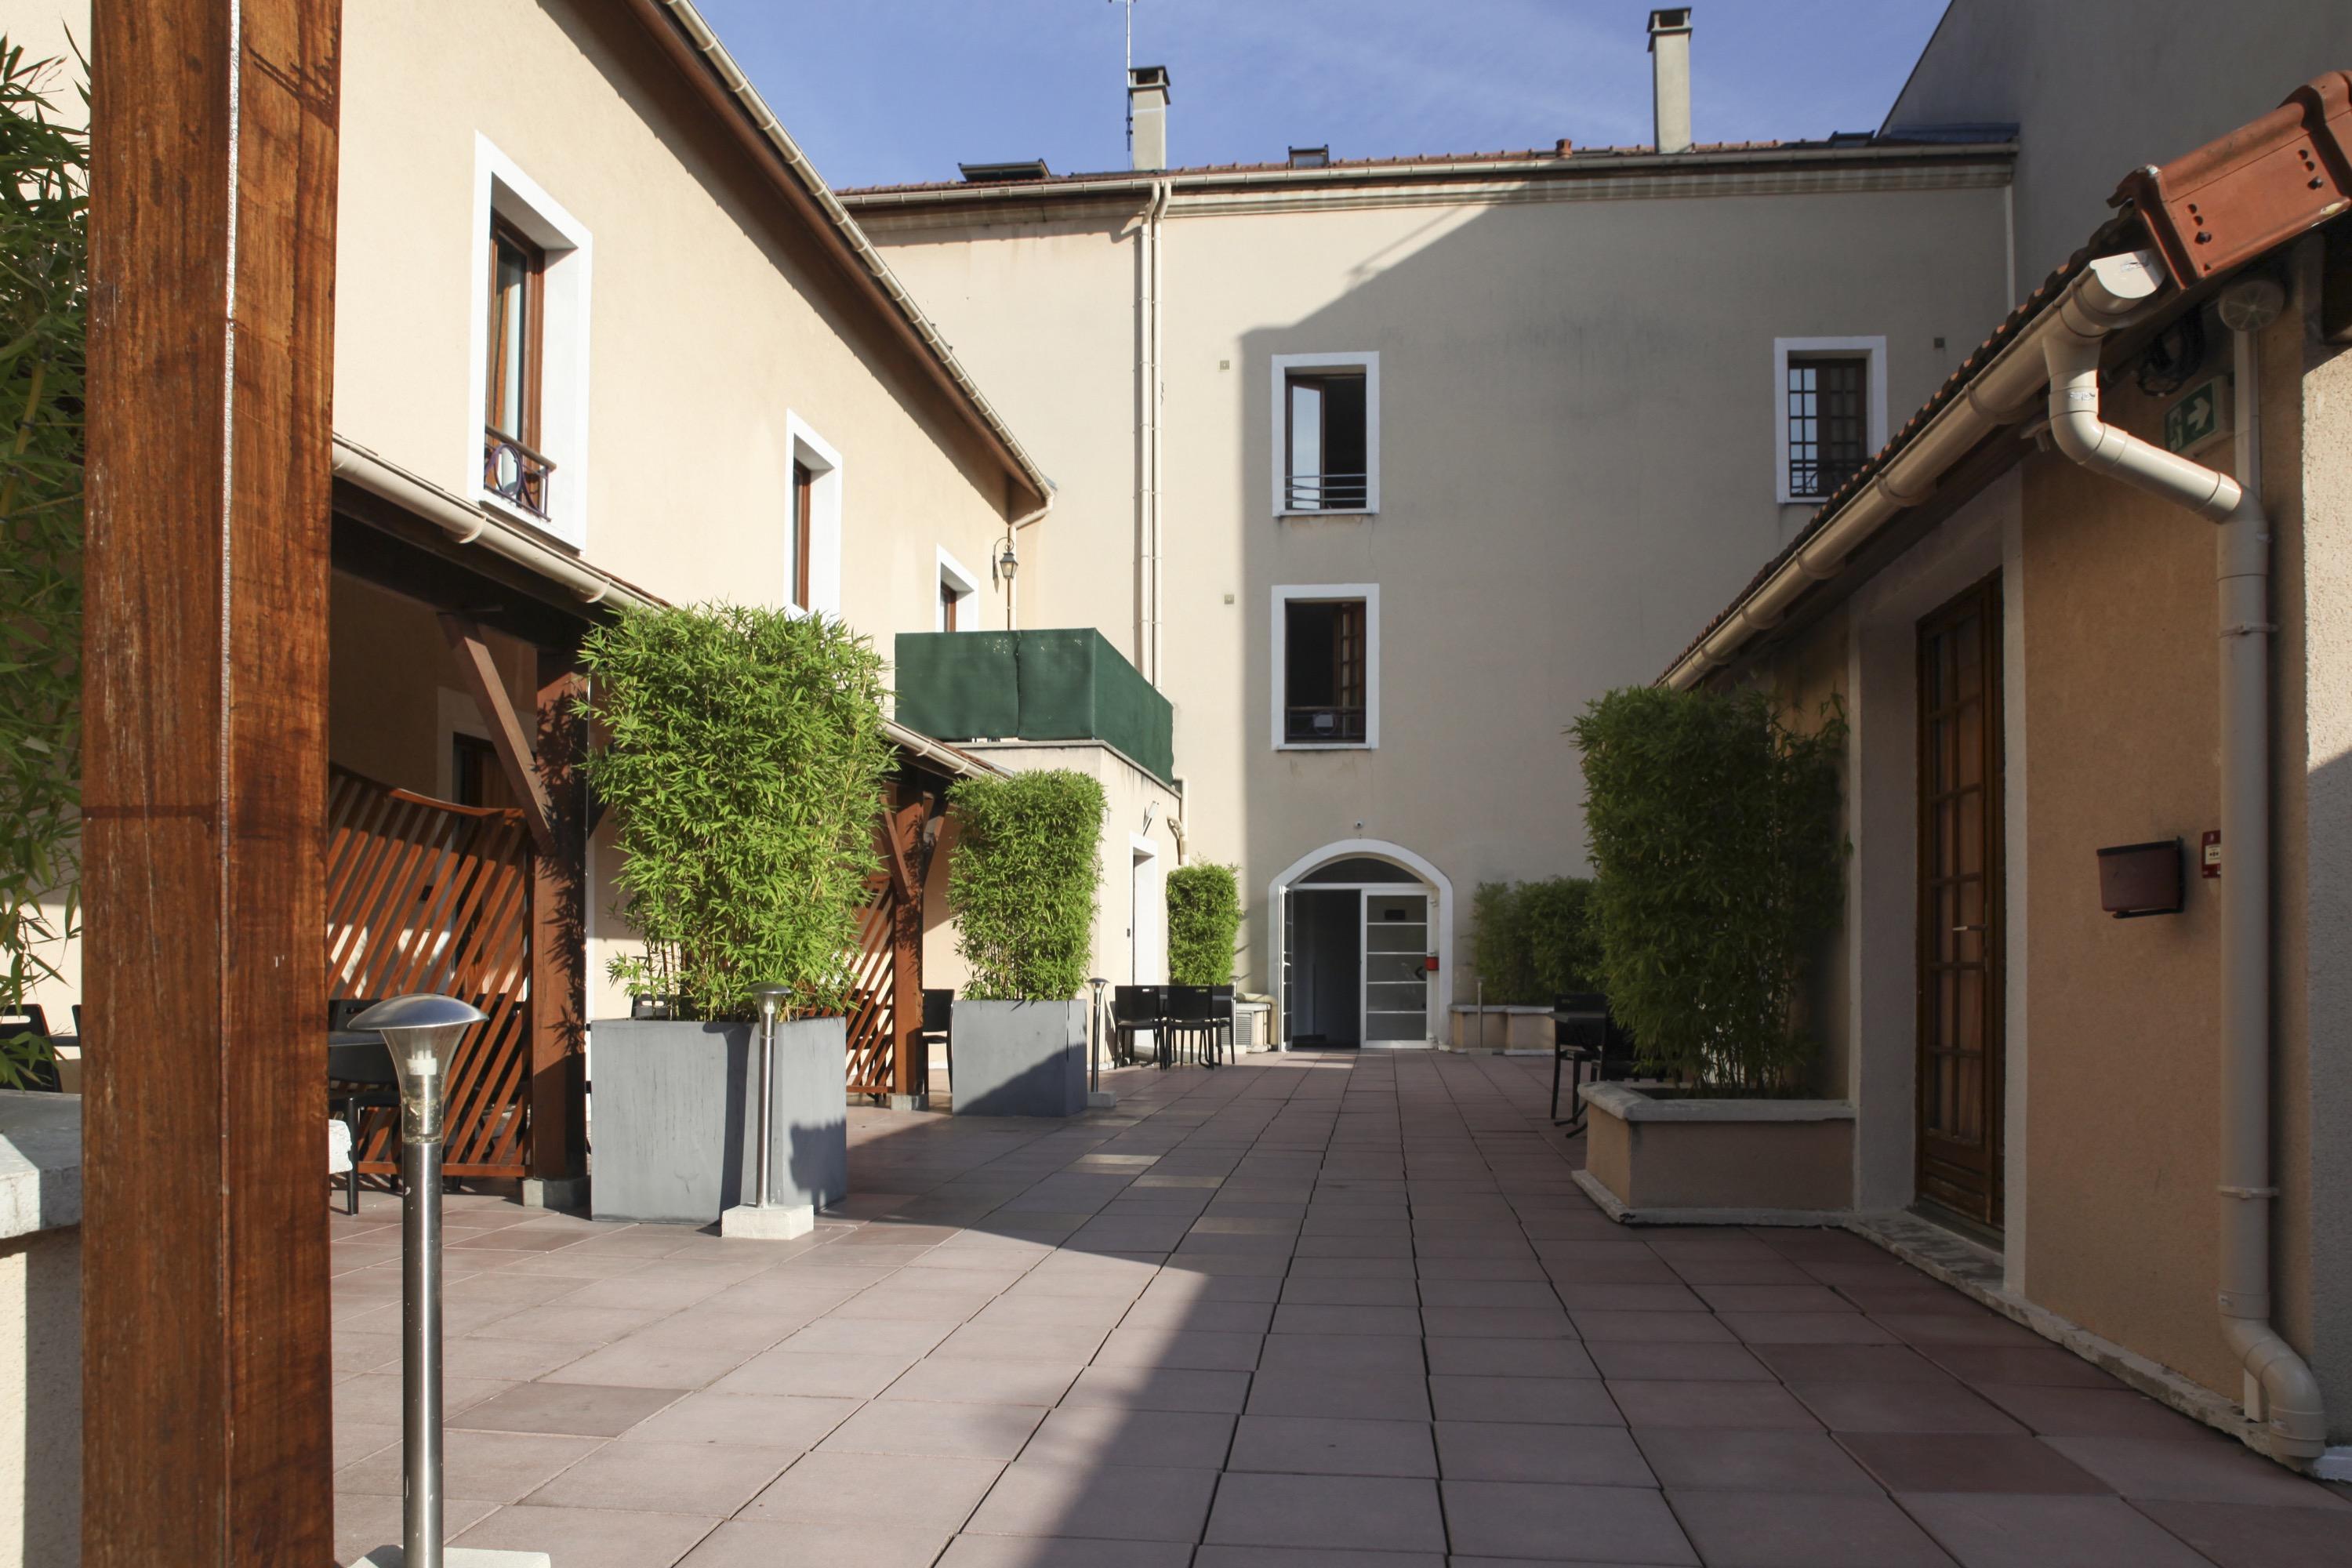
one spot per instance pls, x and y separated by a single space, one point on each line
1021 888
1720 871
741 750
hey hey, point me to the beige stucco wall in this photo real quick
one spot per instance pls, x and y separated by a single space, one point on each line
714 313
40 1399
1121 896
1577 466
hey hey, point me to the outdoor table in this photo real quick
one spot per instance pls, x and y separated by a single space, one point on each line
360 1076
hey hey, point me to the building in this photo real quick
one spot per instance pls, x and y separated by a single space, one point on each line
2089 646
1379 470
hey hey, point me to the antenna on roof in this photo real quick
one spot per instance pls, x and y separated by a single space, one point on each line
1129 76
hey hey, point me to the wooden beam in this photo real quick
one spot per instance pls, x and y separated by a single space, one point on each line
909 1053
558 938
517 757
206 1433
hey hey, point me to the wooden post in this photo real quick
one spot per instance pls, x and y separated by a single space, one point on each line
558 1088
902 832
204 1358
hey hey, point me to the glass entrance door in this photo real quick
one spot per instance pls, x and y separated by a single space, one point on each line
1396 968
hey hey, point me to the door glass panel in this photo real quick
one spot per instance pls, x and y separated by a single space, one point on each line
1396 975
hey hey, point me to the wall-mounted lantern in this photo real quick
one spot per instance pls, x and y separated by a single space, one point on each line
2137 879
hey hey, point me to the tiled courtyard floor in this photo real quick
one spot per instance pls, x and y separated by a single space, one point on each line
1302 1312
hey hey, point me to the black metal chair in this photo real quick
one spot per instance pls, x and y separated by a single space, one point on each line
359 1080
939 1018
1191 1023
31 1018
1221 1024
1134 1008
1584 1034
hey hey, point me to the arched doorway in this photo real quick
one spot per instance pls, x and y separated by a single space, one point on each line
1360 943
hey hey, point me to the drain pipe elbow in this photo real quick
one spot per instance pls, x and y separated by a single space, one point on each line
2088 440
2293 1411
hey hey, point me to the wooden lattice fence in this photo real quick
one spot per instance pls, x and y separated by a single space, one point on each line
424 895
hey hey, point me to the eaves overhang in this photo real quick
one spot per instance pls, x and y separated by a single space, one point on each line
2205 215
689 42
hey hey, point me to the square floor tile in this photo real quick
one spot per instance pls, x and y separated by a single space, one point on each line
782 1371
582 1410
826 1487
1779 1530
1657 1401
1907 1462
497 1467
1511 1451
917 1428
765 1543
1160 1388
1628 1360
1606 1524
1807 1329
1187 1350
1090 1434
1848 1363
2252 1535
1683 1458
1564 1401
1654 1327
592 1537
2196 1466
1997 1531
1062 1551
665 1477
1307 1445
1378 1395
1095 1500
2063 1412
1509 1358
986 1382
772 1421
1362 1513
2037 1364
1946 1406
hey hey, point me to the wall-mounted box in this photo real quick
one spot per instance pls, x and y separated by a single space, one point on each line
2137 879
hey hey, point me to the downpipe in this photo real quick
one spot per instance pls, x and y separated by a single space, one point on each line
2280 1393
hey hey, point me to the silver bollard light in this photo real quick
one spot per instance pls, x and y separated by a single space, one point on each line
422 1034
1097 1097
761 1219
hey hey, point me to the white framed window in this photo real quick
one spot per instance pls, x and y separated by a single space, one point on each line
958 608
1327 667
812 575
1829 402
527 430
1327 435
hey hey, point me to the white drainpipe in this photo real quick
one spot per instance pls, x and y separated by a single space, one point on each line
2280 1390
1149 593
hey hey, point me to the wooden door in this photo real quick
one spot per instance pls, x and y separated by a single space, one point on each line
1961 937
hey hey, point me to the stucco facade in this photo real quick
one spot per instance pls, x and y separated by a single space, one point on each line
2110 673
1576 453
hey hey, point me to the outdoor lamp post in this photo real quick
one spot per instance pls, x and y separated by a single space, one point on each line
761 1220
422 1034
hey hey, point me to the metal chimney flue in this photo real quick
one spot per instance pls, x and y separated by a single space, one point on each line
1146 109
1670 34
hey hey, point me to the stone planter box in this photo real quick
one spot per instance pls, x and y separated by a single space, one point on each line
676 1120
1019 1059
1649 1159
1507 1028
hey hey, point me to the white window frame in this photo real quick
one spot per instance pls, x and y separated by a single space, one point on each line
1369 592
502 189
1369 365
955 576
804 445
1872 350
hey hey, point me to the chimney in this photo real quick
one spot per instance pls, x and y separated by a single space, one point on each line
1147 113
1669 32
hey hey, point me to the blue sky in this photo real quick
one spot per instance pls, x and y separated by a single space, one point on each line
885 91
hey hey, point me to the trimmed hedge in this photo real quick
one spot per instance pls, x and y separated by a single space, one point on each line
1022 883
1204 914
1534 940
744 758
1716 833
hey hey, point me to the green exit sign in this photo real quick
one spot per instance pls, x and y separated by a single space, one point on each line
2200 417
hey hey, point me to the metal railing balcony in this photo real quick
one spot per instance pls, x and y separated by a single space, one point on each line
1324 726
515 473
1326 492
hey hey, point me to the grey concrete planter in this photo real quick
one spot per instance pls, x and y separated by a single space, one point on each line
1656 1159
675 1118
1019 1059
